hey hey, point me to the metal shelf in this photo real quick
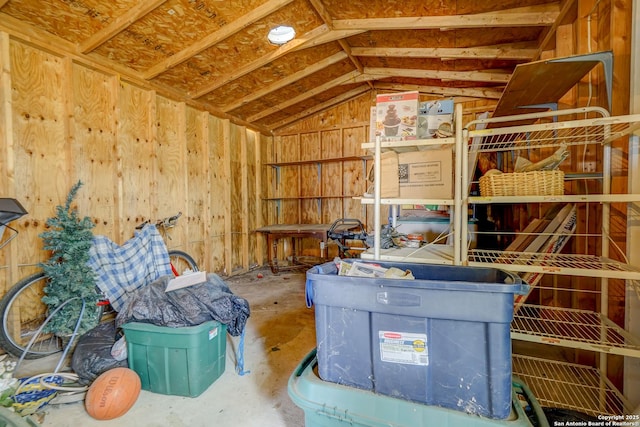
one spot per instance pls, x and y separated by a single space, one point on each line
409 145
572 328
550 263
317 161
571 386
544 135
567 198
371 201
427 254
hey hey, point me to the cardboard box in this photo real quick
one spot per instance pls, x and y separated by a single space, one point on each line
431 115
397 116
426 174
389 185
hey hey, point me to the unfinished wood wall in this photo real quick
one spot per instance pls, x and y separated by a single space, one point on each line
601 26
140 156
323 191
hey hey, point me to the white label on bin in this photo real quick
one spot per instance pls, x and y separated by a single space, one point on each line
213 333
403 347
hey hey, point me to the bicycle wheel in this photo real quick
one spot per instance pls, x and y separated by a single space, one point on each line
182 262
23 313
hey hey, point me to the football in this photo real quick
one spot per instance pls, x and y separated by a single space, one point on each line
112 394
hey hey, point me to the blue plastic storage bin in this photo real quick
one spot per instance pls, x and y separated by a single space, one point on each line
326 404
442 339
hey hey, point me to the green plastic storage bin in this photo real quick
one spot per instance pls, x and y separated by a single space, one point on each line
328 404
177 361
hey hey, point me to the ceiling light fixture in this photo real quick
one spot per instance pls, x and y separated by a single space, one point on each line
281 34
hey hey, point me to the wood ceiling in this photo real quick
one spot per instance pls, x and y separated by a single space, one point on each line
215 52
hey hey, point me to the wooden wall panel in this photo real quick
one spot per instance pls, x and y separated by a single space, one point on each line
218 202
253 194
170 184
140 156
197 174
94 139
41 155
8 256
310 147
137 155
238 169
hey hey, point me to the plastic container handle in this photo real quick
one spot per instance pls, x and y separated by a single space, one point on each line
308 359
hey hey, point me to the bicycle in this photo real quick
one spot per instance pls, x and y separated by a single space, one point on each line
26 297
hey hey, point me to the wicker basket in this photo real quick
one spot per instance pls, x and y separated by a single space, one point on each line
537 183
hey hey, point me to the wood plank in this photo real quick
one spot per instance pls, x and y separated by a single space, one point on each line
218 195
94 129
325 105
318 89
506 52
517 17
474 76
244 193
542 82
217 36
488 93
136 12
305 40
136 157
227 188
333 59
9 256
198 186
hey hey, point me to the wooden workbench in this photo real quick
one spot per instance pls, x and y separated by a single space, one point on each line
292 231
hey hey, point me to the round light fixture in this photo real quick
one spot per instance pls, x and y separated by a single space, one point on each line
281 34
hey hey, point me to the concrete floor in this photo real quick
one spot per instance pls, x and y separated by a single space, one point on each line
280 332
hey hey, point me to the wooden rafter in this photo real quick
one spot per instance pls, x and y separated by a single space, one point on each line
476 76
542 15
335 58
323 106
318 89
217 36
280 52
444 91
509 52
120 23
326 17
551 32
329 36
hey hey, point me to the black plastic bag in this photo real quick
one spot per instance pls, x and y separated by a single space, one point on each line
190 306
92 355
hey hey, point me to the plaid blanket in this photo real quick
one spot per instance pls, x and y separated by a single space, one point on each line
121 270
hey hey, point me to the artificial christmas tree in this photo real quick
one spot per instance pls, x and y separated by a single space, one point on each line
71 280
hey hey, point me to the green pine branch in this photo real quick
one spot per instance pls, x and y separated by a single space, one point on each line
69 238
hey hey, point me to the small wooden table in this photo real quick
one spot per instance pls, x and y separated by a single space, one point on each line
293 231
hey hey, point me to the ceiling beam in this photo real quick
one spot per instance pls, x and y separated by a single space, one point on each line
542 15
476 76
326 17
228 30
330 36
294 44
546 37
120 23
485 93
347 96
335 58
64 48
308 94
507 52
